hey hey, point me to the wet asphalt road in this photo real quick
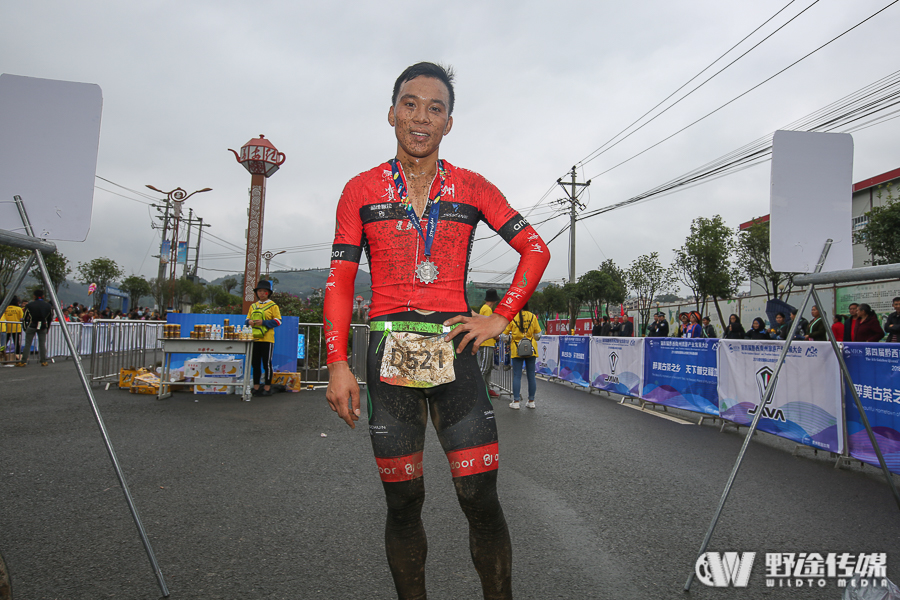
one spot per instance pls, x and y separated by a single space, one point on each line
247 500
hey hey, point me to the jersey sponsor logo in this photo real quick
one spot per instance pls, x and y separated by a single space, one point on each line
347 252
472 461
401 468
512 227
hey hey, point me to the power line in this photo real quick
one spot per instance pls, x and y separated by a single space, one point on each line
741 95
599 151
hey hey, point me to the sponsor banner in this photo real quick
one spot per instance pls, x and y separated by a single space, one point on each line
574 362
875 371
617 364
806 406
561 327
681 373
547 361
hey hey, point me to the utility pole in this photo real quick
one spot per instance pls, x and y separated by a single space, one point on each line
199 235
187 242
573 204
162 242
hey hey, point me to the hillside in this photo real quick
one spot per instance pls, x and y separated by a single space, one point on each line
303 283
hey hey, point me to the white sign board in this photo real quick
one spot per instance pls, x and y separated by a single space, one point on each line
49 137
810 202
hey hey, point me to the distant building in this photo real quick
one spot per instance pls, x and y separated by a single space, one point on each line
865 197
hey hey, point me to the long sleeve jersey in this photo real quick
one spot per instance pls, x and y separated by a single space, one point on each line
371 217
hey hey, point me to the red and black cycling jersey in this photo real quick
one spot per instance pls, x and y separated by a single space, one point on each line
371 217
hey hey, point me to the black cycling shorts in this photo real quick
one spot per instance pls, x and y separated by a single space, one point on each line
461 412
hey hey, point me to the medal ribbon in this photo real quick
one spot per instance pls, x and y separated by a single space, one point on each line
431 227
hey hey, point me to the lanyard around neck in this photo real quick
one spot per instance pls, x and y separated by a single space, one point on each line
431 227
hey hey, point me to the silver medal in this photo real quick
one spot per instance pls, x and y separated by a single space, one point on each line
427 271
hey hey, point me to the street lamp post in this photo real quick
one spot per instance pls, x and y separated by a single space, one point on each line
268 256
261 159
177 198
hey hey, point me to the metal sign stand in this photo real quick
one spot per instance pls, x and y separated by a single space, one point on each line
37 245
767 397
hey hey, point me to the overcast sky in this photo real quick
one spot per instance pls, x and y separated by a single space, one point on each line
539 87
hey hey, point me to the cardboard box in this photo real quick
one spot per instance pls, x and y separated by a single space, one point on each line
203 367
214 385
148 383
126 376
290 381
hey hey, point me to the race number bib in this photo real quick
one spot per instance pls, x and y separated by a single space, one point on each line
416 360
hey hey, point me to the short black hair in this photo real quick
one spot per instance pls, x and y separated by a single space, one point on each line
38 293
781 314
896 299
427 69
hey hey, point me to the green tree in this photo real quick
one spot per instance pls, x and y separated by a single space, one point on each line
57 267
572 295
646 277
880 233
101 271
161 290
752 251
229 284
704 265
187 291
616 293
11 260
600 287
546 303
668 298
136 287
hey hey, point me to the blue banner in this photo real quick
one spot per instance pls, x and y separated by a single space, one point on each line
875 371
574 359
682 373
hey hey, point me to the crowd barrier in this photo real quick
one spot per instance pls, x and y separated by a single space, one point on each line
117 344
727 379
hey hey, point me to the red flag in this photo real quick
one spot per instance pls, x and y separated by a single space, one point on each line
622 309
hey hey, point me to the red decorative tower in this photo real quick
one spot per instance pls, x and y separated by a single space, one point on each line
262 159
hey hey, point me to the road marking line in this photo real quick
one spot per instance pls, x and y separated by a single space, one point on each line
660 415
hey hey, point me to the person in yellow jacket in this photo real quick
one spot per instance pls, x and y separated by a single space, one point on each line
486 350
12 325
264 316
523 330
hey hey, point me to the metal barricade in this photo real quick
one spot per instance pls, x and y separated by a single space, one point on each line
315 370
501 376
120 344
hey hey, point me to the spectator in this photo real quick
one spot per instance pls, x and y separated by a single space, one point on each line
851 322
615 327
606 327
802 327
816 331
627 329
37 318
892 324
597 329
837 327
734 330
757 330
694 329
783 328
662 327
264 316
868 329
708 330
12 326
486 351
523 328
87 316
682 325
